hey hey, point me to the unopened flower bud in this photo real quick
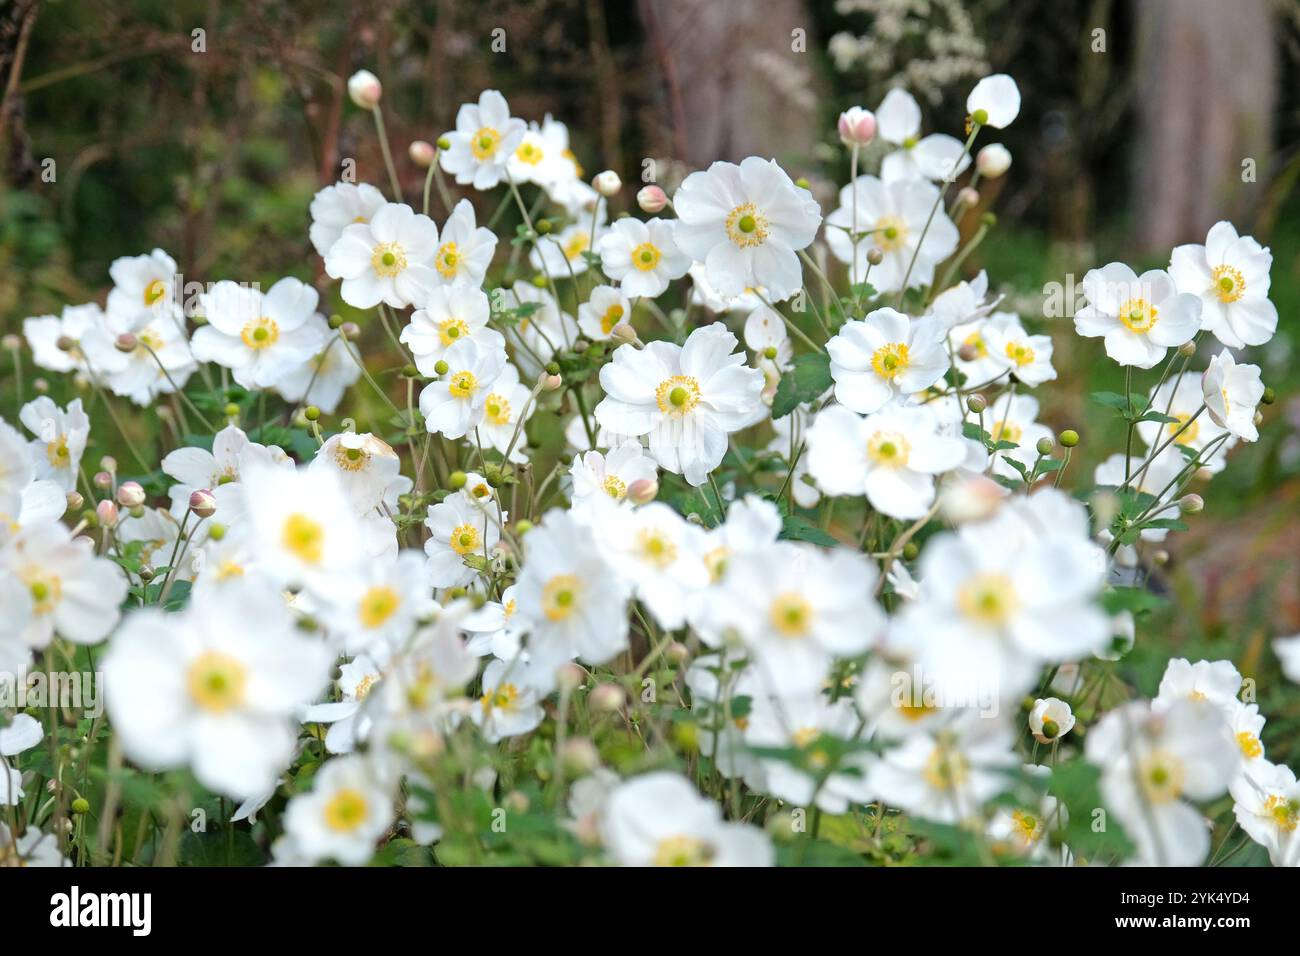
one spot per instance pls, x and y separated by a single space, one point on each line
993 160
540 281
456 480
75 501
607 698
421 153
607 183
570 677
11 343
1044 446
130 494
106 512
126 342
80 806
623 333
203 503
677 653
444 143
551 382
350 330
522 527
109 464
440 367
651 199
102 479
365 89
146 573
231 410
1269 397
970 499
579 756
1191 504
856 126
216 531
977 403
311 413
40 385
1187 349
968 196
1069 438
875 256
642 491
65 343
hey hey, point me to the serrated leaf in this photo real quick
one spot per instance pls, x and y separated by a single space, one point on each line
805 382
799 528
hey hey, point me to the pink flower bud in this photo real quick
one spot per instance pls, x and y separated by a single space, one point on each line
203 503
130 494
422 153
103 479
607 183
651 199
642 491
106 511
126 342
365 89
857 127
993 160
607 698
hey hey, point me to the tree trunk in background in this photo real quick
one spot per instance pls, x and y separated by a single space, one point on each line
732 85
1207 74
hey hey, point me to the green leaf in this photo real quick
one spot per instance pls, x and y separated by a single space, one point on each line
1113 400
799 528
810 377
1135 600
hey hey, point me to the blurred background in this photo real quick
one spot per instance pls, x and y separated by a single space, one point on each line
205 128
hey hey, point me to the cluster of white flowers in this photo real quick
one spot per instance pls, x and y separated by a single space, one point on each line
344 635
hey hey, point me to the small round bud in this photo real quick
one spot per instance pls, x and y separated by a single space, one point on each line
516 802
967 352
410 371
607 698
551 382
543 227
977 403
147 573
365 89
421 153
910 551
1191 504
456 480
126 342
130 494
769 353
677 653
579 756
522 527
350 330
203 503
989 219
90 518
75 501
623 333
993 160
856 126
109 464
106 512
311 413
968 196
651 199
441 367
216 531
231 410
607 183
979 117
65 343
1044 446
1051 729
570 677
642 491
80 806
11 343
1069 438
335 321
40 386
539 281
1187 349
444 143
874 256
102 479
1161 557
1269 397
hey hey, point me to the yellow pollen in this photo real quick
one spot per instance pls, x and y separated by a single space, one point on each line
1162 776
716 562
346 811
656 548
1285 813
378 604
351 459
497 410
46 590
682 850
976 342
57 452
746 226
1190 429
615 487
890 360
259 334
946 769
1006 431
529 153
1250 745
464 539
791 615
504 697
1020 353
462 384
447 262
677 395
988 598
890 233
1139 315
303 538
484 143
216 682
560 597
612 317
576 245
452 330
889 449
388 259
645 257
228 569
1229 285
805 736
154 291
1028 827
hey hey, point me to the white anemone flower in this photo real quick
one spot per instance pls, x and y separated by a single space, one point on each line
1231 393
898 121
259 337
642 256
483 142
389 259
344 814
998 98
606 307
454 404
886 355
450 315
336 207
1140 317
60 440
1230 276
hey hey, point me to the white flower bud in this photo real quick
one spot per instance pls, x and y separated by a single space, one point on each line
993 160
365 89
607 183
